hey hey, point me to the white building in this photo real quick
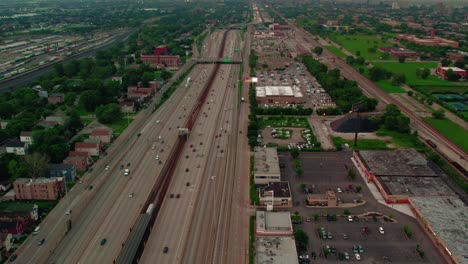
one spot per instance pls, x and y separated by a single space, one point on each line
26 137
274 223
266 168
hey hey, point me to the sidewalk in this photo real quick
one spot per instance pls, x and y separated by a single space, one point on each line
404 208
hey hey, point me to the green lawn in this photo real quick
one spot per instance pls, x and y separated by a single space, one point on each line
409 69
362 144
401 140
336 51
443 89
362 43
451 130
119 126
389 88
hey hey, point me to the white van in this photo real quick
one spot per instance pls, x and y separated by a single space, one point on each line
36 230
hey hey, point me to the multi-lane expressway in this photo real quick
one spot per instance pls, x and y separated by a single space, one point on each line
108 211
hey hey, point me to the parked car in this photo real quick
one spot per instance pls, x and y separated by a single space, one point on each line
313 255
358 257
361 249
339 190
308 219
329 235
350 218
41 241
13 257
355 249
166 249
381 230
346 255
345 236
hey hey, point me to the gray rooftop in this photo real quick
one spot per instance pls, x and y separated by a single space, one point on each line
266 161
276 250
447 216
273 221
415 186
38 180
400 162
280 189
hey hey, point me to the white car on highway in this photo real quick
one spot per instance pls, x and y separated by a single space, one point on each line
107 167
381 230
127 172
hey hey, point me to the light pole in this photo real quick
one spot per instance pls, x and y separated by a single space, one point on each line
357 107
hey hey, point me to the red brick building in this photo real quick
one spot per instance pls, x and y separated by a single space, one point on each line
162 61
93 148
39 188
442 71
456 56
104 135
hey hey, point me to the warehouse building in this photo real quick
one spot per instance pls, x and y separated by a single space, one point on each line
281 95
273 223
276 250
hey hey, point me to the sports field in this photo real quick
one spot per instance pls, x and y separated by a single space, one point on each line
451 130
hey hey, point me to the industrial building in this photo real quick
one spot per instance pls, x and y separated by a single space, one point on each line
266 166
276 250
400 174
279 95
273 224
444 219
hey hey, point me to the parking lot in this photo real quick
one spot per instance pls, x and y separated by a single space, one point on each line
328 171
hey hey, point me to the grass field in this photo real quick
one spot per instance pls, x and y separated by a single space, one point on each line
362 144
336 51
362 43
389 88
409 69
451 130
402 140
119 126
443 89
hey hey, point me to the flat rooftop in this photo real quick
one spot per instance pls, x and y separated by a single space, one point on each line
415 186
280 189
266 161
447 216
266 91
400 162
276 250
273 221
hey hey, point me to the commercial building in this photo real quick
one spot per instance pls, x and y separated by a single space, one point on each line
39 189
444 219
279 95
327 199
273 224
276 192
276 250
266 166
429 41
400 174
442 71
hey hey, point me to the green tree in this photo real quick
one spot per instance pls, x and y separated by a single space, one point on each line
17 169
425 73
318 50
401 59
70 98
109 113
51 142
446 62
315 216
385 55
347 212
394 120
351 174
410 93
439 114
295 153
302 240
37 164
358 53
73 123
398 79
146 78
358 188
90 100
166 75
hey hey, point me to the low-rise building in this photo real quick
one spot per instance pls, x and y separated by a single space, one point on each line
28 213
266 167
104 135
15 227
327 199
127 107
281 95
56 98
14 146
58 118
6 240
26 137
93 148
456 56
442 71
63 170
276 250
39 188
273 223
276 192
47 124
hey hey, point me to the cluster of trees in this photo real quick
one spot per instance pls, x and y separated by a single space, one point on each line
343 92
394 120
331 111
302 240
253 59
355 61
423 73
277 110
378 73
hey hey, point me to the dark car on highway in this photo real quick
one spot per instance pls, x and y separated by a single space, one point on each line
103 241
166 249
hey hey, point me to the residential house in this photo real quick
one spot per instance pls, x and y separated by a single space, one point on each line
63 170
6 240
39 188
15 227
103 135
24 212
47 124
80 162
59 118
93 148
17 147
3 124
127 107
26 137
56 98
